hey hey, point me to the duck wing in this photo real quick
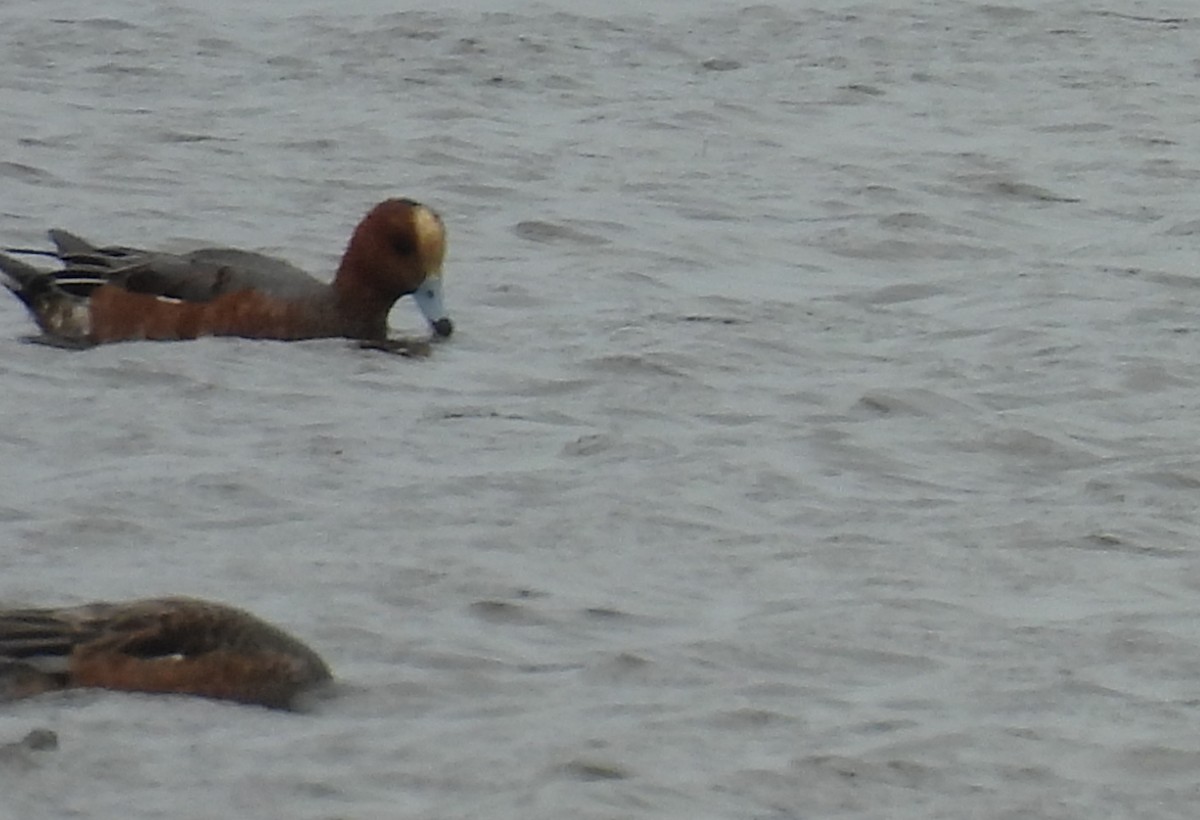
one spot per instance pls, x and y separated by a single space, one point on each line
198 276
180 645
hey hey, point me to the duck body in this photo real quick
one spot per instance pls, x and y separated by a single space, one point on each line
164 645
117 293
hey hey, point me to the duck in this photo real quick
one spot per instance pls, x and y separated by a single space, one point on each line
114 293
175 645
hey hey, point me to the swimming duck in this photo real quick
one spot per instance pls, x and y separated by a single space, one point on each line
182 645
115 293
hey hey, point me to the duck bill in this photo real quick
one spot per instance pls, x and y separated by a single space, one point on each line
429 300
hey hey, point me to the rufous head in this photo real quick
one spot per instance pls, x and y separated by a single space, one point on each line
397 249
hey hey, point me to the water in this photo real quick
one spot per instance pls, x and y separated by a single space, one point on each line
817 440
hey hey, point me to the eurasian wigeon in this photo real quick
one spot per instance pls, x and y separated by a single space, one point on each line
179 645
113 293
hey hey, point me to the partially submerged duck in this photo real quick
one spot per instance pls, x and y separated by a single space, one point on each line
170 645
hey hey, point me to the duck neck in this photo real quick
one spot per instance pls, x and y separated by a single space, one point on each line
361 302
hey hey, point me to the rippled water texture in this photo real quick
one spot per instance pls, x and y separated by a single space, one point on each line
819 439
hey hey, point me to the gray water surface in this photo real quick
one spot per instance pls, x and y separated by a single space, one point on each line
819 439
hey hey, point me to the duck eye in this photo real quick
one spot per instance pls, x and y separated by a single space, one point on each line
403 245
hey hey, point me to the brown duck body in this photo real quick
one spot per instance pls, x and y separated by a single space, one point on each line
175 645
114 293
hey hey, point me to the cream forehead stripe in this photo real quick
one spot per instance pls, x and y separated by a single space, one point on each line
431 238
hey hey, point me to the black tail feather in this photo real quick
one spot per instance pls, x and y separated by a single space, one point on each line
25 281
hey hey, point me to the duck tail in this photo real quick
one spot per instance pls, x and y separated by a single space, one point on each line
26 282
34 653
21 679
57 299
